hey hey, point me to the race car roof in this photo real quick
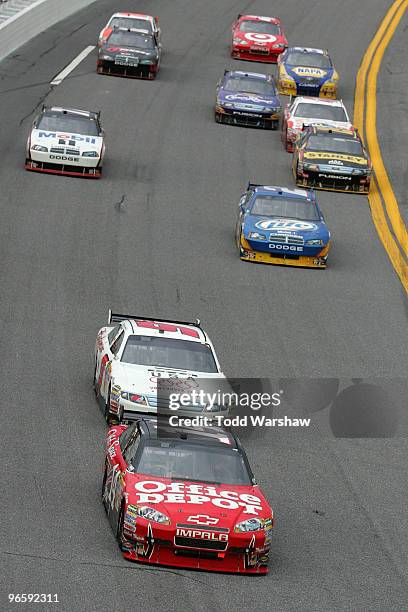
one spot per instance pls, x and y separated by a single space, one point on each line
250 75
209 435
296 194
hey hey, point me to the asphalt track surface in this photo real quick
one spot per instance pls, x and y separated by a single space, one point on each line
393 84
155 237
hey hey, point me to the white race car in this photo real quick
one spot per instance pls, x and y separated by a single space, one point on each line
138 21
133 353
66 141
306 110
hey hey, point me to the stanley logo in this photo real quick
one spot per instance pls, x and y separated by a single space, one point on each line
340 156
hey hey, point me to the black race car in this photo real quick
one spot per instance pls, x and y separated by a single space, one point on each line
331 158
131 53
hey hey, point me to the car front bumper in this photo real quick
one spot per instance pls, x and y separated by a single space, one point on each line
329 182
319 260
246 118
141 71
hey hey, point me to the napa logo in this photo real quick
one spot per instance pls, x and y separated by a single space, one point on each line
306 71
285 224
76 137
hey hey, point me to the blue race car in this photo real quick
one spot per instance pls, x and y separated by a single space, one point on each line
307 72
277 225
247 99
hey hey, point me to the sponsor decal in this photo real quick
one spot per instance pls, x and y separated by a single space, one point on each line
243 98
64 158
260 38
285 224
308 71
342 157
336 162
285 247
154 492
202 519
202 535
145 550
89 139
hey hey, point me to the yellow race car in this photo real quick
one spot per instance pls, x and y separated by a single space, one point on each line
303 71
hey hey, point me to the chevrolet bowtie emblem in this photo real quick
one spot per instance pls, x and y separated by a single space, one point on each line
202 519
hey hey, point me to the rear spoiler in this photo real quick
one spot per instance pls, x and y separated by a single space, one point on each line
252 185
114 317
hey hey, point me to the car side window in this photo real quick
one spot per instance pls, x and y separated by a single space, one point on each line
113 333
115 346
131 448
126 435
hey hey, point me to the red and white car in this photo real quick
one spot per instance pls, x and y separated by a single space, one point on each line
258 39
305 110
135 21
185 497
133 353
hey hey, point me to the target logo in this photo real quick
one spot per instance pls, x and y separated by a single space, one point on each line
261 38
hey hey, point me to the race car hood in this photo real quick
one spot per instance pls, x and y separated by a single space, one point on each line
131 52
242 98
47 138
274 226
306 72
297 123
260 40
336 160
142 380
197 505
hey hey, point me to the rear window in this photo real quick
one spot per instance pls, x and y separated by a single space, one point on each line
260 27
309 60
335 144
250 85
131 22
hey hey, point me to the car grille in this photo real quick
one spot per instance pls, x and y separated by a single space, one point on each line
286 239
64 151
200 544
260 51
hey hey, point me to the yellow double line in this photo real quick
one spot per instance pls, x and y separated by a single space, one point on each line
383 203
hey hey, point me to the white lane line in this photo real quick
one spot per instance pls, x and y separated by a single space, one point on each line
75 62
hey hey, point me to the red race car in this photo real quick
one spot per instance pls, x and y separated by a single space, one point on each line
259 39
185 497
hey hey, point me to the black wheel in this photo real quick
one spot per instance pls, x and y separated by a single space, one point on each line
95 388
107 415
218 118
105 475
275 125
119 529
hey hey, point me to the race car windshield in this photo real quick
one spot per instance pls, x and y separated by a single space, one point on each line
169 353
192 462
260 27
131 39
320 111
309 60
130 22
243 85
270 206
69 123
334 144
